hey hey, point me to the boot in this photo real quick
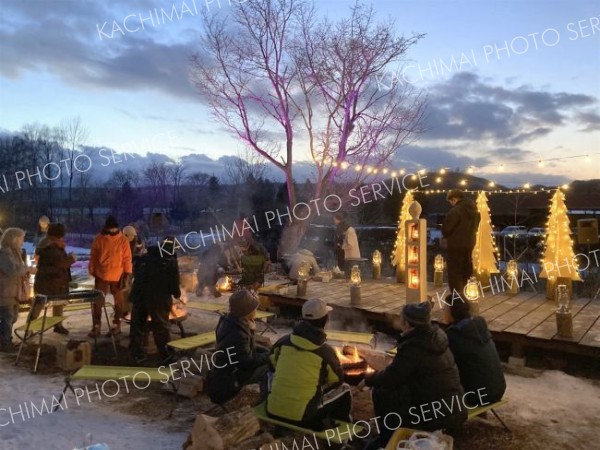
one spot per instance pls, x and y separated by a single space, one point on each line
61 330
95 332
114 331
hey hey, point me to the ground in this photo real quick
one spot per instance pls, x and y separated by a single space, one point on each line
547 410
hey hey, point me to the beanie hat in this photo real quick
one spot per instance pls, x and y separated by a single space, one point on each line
418 313
455 193
315 309
111 222
242 303
56 230
129 231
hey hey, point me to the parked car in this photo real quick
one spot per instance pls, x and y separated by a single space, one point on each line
514 231
537 232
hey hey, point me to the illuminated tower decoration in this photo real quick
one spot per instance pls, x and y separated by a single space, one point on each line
398 254
559 265
416 255
484 260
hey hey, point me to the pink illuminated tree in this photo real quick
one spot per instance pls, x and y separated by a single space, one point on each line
294 87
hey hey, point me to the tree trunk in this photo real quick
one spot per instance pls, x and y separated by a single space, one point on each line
292 235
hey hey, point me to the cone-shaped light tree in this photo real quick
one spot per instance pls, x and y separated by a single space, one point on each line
484 259
559 265
398 255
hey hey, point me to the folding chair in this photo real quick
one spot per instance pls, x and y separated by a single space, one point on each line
37 327
252 270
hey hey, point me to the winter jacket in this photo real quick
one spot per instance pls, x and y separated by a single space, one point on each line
156 280
477 359
53 267
13 273
460 226
235 334
110 256
298 258
350 244
304 367
423 371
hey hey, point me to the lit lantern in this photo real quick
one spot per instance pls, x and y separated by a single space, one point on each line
413 279
438 264
413 256
414 233
303 275
512 271
438 274
376 265
472 289
355 297
563 299
564 318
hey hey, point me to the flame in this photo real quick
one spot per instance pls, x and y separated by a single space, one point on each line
224 285
346 359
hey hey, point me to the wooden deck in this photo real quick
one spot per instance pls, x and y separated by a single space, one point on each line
523 320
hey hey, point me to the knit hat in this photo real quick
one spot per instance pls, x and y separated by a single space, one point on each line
455 193
315 309
56 230
242 303
111 222
129 232
418 313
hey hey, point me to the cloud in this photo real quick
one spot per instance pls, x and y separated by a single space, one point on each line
589 120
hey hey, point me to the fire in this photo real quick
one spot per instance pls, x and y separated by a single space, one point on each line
348 357
224 284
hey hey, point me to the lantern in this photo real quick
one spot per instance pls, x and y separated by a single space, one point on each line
563 299
303 275
355 276
438 264
564 318
512 270
414 233
376 265
472 289
413 279
355 297
438 274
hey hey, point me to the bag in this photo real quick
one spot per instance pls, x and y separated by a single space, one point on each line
223 385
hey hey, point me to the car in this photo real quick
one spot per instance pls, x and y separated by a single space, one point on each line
514 231
537 232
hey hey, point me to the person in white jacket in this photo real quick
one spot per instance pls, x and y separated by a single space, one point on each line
346 241
298 258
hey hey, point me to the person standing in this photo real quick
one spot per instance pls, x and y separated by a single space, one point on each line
346 243
111 267
138 248
14 277
53 269
155 284
460 230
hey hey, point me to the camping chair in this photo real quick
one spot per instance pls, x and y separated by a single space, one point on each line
253 272
37 327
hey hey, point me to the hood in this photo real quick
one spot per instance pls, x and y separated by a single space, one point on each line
110 231
429 339
307 336
473 328
469 207
228 323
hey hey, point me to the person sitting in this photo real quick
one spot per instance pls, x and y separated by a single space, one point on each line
422 375
208 272
155 284
255 262
475 355
307 388
54 269
238 361
301 256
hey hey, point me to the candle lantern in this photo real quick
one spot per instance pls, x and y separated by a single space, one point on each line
376 265
512 272
303 275
564 317
438 274
416 255
355 280
472 294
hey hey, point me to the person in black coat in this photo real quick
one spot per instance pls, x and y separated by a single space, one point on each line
460 230
475 355
54 269
239 361
421 378
156 282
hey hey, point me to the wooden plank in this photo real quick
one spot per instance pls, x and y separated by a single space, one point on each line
506 305
510 317
547 329
592 337
533 319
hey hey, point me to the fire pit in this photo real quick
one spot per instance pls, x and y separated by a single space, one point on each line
224 284
354 366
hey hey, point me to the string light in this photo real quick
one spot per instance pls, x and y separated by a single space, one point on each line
541 163
442 171
491 184
438 180
470 170
527 185
463 182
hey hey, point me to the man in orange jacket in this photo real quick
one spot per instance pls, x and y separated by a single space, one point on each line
110 265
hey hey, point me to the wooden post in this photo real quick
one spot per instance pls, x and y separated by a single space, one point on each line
355 298
438 278
301 290
564 324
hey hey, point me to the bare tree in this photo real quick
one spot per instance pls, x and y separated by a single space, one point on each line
248 165
274 74
73 134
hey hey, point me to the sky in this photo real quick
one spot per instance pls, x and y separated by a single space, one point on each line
524 85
